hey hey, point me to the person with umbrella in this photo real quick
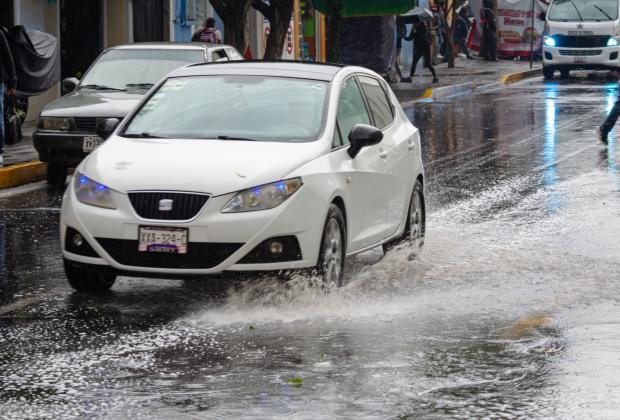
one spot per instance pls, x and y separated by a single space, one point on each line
421 49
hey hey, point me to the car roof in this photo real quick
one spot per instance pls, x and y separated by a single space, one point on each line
169 46
297 69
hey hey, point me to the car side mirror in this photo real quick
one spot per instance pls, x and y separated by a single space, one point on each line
106 127
543 15
69 84
363 135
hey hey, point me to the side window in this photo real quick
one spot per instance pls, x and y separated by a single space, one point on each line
337 140
218 55
378 101
351 109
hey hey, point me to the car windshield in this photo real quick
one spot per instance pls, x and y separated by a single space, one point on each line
584 10
133 68
233 108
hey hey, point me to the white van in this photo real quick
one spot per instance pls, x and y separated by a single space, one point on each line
581 34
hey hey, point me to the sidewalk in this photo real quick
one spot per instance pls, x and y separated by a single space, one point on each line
468 75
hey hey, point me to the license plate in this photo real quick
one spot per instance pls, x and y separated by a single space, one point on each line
165 240
580 33
91 143
580 59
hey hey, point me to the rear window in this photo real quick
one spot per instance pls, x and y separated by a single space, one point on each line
119 69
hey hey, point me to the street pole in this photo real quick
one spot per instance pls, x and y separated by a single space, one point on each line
532 35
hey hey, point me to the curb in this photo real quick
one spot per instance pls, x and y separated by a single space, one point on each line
22 173
517 77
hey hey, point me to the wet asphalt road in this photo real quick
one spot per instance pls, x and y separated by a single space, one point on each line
511 311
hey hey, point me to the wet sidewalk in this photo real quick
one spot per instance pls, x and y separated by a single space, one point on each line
472 73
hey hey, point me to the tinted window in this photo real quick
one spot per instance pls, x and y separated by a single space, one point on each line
219 54
378 101
233 107
119 68
351 109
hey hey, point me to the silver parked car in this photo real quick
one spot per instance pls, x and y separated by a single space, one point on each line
112 86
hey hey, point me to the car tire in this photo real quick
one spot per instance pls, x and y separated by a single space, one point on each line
56 174
330 267
84 279
564 74
548 73
415 228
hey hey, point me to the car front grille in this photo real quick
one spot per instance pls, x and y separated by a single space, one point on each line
587 41
184 206
581 52
88 124
200 255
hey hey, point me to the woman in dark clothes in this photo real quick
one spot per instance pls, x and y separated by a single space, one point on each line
421 49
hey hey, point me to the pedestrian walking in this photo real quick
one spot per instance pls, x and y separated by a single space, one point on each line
421 49
8 82
461 30
610 122
208 33
489 31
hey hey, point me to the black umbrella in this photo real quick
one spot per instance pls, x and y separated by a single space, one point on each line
418 14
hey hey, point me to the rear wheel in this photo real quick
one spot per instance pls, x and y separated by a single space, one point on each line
333 248
56 174
85 279
548 73
415 227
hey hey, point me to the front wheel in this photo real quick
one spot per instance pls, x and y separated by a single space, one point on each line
415 228
84 279
564 74
548 73
56 174
330 267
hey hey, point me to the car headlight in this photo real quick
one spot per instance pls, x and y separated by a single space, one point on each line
263 197
549 41
93 193
613 42
54 123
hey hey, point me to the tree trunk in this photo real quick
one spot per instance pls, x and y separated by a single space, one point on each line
234 14
278 13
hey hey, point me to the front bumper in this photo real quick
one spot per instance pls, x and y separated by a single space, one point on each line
60 147
217 242
600 58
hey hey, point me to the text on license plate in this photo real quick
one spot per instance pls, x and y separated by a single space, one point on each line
91 143
167 240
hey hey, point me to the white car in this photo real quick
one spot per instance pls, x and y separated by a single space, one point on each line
246 166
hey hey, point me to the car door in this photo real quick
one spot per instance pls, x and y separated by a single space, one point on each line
366 174
398 183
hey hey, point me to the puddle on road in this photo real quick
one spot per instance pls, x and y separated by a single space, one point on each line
477 326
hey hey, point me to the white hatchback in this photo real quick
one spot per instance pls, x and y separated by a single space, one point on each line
246 166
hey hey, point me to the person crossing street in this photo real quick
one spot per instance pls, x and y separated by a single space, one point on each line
421 49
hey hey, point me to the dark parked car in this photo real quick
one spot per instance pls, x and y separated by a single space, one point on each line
113 85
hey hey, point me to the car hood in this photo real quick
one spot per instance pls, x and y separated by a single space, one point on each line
209 166
93 103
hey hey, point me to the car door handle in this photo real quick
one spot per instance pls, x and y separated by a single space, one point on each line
383 154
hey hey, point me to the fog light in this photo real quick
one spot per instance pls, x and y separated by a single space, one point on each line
276 248
78 241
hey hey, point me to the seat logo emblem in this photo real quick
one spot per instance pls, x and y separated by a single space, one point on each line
165 204
580 26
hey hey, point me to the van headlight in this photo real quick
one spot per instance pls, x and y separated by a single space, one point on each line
613 42
549 41
93 193
54 123
263 197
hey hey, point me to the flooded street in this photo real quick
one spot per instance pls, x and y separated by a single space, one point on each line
511 311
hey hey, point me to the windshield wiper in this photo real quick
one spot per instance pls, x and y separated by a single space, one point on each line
603 12
235 138
577 10
142 136
140 85
102 87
